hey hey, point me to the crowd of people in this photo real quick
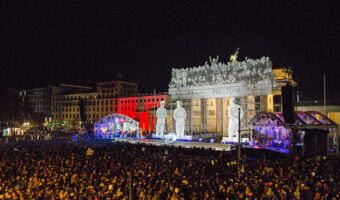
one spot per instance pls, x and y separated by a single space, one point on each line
61 169
36 133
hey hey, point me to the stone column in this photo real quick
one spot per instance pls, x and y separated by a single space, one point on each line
225 102
202 114
219 117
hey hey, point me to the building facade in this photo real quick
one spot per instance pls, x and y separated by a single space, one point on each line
38 100
114 97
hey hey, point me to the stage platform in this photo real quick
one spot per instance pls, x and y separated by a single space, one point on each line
205 145
217 146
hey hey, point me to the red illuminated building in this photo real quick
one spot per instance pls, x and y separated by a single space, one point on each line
138 107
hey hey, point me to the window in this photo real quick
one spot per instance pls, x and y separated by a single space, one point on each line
107 102
111 109
148 100
106 109
116 109
111 102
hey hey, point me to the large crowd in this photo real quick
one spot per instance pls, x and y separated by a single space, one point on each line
60 169
34 134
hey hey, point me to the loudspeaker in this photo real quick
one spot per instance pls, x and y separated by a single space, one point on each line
288 103
82 110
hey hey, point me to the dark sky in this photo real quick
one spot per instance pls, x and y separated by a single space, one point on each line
48 42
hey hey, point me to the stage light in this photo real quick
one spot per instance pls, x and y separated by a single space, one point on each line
212 140
200 140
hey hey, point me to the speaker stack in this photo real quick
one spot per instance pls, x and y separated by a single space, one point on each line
288 102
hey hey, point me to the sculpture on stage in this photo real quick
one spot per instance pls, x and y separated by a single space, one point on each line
233 119
179 115
161 117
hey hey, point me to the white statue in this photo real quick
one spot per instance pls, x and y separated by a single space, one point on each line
161 117
211 73
233 119
179 115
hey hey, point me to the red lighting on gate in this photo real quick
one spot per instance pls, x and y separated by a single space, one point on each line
137 108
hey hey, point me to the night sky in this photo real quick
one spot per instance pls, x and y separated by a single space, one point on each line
49 42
